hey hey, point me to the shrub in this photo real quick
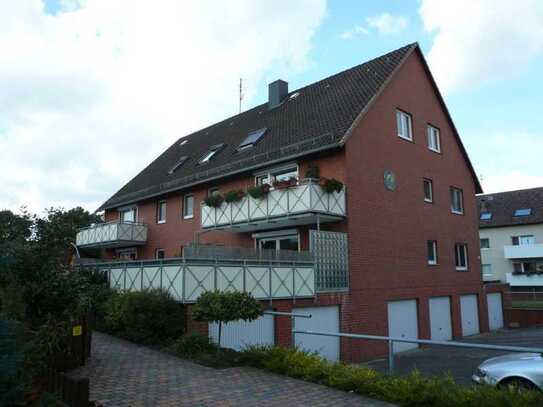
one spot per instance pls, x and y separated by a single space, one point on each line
192 345
258 191
150 317
411 390
214 201
223 307
331 185
234 196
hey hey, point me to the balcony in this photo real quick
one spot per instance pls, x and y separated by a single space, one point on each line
187 277
112 234
527 251
303 204
524 279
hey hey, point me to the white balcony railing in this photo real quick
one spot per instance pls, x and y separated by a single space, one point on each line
524 279
186 278
526 251
300 203
112 234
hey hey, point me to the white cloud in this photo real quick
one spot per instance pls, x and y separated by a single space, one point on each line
93 93
506 162
384 24
479 41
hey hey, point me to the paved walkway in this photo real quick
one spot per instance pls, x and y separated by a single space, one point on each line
124 374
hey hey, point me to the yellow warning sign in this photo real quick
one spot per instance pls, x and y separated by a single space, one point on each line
77 330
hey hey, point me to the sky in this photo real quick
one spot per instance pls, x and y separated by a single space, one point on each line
93 90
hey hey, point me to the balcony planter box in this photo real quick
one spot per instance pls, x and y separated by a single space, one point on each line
214 201
291 182
331 185
234 196
258 191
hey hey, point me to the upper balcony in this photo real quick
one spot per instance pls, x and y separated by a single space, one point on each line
112 234
527 251
301 204
524 279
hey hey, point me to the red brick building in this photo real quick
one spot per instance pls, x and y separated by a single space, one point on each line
393 249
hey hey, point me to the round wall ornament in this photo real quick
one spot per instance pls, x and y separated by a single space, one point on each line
390 180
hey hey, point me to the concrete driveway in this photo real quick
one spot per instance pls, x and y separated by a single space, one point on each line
124 374
460 362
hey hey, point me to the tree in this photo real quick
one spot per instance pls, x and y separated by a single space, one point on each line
224 307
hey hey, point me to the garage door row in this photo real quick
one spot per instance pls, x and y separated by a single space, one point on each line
402 322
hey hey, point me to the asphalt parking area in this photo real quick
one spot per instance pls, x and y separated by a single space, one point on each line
460 362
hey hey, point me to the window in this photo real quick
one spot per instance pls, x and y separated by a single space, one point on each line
127 215
188 207
428 190
213 191
277 174
178 164
485 243
522 240
486 216
434 142
127 254
161 212
457 201
252 139
486 270
432 251
461 256
524 267
213 150
523 212
160 254
275 241
403 121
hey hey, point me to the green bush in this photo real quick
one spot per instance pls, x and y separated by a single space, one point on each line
235 195
214 201
411 390
150 317
192 345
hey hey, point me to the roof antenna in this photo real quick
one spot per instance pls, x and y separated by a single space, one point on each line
240 93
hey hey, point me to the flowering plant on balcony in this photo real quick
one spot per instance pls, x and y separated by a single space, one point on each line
214 201
331 185
285 183
258 191
235 195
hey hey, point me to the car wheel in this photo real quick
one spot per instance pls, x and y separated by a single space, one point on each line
517 383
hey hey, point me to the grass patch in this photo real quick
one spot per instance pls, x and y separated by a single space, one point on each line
411 390
527 304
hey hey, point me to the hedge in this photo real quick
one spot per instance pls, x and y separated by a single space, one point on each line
411 390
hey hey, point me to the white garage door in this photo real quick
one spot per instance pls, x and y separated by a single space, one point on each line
239 334
322 319
403 323
495 313
470 314
440 319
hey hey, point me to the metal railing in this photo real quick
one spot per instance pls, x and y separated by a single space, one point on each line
246 254
390 340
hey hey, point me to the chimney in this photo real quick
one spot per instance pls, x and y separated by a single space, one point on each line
277 91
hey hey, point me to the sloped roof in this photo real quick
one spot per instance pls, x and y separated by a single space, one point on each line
503 205
313 118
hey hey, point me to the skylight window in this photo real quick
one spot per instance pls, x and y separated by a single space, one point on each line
213 150
523 212
178 164
183 142
252 139
486 215
294 95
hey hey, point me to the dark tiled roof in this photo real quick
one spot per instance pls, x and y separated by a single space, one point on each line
504 204
317 118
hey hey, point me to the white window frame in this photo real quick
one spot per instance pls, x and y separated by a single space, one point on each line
400 116
489 273
276 235
160 250
464 248
213 191
453 192
127 209
523 240
129 251
268 173
434 260
185 206
481 240
159 211
431 183
433 138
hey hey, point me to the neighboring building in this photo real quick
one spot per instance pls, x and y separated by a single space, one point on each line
511 236
394 250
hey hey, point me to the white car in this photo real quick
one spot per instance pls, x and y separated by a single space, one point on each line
523 370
